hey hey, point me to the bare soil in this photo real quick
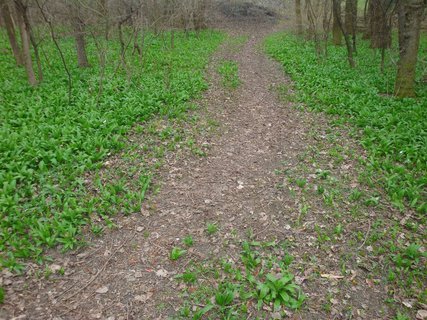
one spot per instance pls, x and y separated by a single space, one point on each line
127 273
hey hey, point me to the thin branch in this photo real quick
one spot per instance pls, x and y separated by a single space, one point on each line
52 33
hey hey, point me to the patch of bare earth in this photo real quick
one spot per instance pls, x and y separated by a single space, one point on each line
127 273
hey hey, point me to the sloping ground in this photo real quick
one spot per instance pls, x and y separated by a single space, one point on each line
254 185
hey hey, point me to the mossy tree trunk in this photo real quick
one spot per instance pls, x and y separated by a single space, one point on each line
410 14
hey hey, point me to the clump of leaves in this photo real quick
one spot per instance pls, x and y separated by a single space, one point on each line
211 228
188 241
176 253
279 289
229 70
224 295
188 277
2 294
259 276
301 183
409 256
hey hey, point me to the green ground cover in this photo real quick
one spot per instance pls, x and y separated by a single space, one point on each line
393 131
48 145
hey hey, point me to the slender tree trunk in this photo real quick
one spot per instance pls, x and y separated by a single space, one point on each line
410 13
380 24
312 18
351 20
34 44
79 35
367 19
25 39
7 18
104 11
298 16
327 17
336 30
199 17
61 54
337 17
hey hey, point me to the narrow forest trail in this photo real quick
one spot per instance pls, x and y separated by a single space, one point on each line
128 274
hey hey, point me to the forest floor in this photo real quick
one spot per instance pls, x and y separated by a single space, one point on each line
255 180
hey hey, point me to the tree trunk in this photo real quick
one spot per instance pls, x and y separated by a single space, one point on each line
380 24
367 19
25 39
34 44
7 18
104 11
351 20
337 17
336 30
410 13
327 17
298 16
312 29
79 35
199 19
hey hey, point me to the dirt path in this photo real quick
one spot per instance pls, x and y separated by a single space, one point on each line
128 274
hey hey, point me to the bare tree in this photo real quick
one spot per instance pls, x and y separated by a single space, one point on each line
410 13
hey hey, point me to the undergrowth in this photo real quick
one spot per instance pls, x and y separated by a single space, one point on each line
259 282
229 70
392 130
49 146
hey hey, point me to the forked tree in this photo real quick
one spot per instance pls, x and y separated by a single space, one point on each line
337 17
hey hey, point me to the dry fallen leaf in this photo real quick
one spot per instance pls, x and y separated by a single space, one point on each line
162 273
102 290
144 298
422 314
409 303
331 276
54 267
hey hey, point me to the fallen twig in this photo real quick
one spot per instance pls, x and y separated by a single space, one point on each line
366 237
100 270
